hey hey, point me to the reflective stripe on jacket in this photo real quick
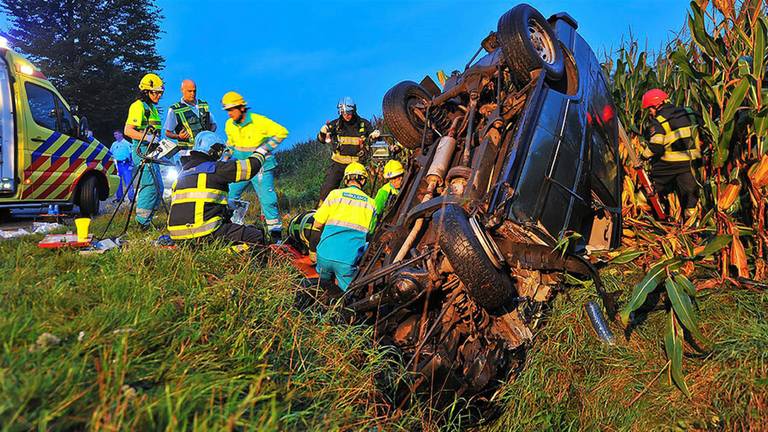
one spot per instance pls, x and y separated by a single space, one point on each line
674 135
186 118
349 138
199 198
346 218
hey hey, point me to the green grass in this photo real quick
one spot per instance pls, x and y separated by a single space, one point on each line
205 340
176 339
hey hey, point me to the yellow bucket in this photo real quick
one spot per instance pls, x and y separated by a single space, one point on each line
82 225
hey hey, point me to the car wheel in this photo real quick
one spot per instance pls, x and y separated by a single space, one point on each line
528 43
399 108
488 287
88 197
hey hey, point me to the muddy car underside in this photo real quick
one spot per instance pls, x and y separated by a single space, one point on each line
509 157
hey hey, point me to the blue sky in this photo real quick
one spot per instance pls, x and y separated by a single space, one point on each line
293 60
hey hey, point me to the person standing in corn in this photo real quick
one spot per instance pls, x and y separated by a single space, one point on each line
245 133
393 173
349 135
199 199
674 149
341 228
143 117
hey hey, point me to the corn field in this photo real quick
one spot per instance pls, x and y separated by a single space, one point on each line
716 66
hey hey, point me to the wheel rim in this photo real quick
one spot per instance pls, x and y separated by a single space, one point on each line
541 42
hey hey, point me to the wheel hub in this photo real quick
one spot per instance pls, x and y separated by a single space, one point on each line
541 42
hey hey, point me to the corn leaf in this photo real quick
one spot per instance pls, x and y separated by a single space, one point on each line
714 245
673 345
646 286
686 283
734 102
683 307
758 59
627 256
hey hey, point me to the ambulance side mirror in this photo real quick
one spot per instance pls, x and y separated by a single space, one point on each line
83 129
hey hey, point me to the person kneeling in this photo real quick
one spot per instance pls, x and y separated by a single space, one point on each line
341 228
199 199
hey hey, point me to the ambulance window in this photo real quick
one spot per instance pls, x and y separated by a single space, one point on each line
42 104
68 125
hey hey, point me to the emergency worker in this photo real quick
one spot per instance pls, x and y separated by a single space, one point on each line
245 133
674 149
393 173
144 121
187 118
341 228
350 135
199 207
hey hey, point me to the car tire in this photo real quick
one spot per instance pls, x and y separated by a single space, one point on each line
488 287
528 43
88 196
396 107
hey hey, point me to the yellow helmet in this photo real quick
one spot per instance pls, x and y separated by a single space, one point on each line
151 82
392 169
232 100
355 169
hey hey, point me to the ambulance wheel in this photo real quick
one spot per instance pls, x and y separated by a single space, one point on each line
529 43
88 196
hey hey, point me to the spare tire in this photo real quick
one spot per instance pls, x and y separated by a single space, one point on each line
528 43
397 108
488 287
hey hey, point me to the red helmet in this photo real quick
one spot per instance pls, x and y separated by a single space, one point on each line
654 98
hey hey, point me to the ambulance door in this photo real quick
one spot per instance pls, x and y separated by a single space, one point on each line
8 176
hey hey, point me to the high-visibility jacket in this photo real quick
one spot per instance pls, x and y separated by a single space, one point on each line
349 138
384 196
344 220
255 130
673 134
186 118
142 114
199 198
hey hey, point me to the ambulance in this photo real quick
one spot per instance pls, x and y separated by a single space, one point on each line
46 155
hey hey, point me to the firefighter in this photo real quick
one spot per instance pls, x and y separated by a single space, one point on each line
341 228
350 135
199 207
188 117
143 116
393 173
674 149
245 133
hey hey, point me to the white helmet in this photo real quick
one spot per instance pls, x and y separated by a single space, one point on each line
346 105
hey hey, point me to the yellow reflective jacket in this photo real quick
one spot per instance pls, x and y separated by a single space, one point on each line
345 219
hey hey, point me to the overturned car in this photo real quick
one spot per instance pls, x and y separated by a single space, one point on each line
510 157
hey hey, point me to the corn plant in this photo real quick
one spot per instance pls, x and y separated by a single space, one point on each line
717 66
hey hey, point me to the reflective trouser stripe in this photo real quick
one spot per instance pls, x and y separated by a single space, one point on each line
189 231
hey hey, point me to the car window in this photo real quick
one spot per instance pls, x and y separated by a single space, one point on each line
67 124
42 104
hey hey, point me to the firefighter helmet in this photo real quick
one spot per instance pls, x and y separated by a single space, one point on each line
208 143
392 169
346 105
151 82
654 97
232 100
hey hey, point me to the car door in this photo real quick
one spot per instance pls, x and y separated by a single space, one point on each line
7 134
